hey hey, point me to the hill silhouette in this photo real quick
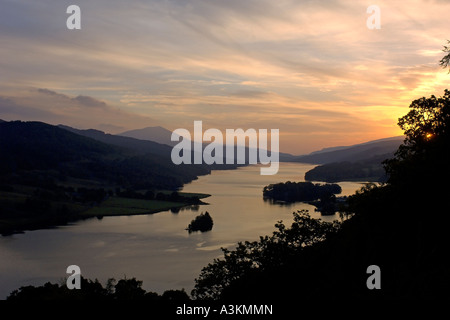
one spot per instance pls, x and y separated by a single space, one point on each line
370 169
352 153
162 135
156 134
36 145
140 147
128 163
132 144
361 162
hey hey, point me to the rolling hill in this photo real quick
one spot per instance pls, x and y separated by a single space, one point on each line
370 169
352 153
133 145
361 162
162 135
156 134
30 146
145 147
39 146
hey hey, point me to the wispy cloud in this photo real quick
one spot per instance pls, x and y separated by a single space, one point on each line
81 111
310 68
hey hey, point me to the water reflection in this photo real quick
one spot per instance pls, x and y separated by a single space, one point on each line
280 202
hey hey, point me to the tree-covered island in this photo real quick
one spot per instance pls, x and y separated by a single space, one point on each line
323 196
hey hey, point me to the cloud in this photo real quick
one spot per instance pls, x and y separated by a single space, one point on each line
233 63
10 110
82 101
51 93
57 108
89 102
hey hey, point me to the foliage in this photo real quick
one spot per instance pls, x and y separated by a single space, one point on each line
202 222
425 154
407 218
124 289
299 191
445 61
258 256
401 226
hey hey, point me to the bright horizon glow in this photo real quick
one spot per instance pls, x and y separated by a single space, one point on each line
312 70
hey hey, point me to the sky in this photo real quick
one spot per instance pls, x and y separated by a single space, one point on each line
312 69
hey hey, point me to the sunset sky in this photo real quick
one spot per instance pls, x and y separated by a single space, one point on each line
309 68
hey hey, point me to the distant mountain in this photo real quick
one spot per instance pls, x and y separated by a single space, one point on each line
331 149
156 134
360 162
141 147
352 153
162 135
2 120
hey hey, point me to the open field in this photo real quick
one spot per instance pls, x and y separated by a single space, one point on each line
116 206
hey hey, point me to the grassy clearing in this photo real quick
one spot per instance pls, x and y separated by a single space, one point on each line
184 194
116 206
192 194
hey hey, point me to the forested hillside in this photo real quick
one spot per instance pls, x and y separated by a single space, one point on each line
31 146
50 176
370 169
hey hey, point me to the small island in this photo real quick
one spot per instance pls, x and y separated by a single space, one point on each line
323 196
202 222
300 191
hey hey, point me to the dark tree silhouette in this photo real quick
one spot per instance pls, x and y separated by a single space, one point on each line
425 153
124 289
263 255
129 289
202 222
401 226
445 61
299 191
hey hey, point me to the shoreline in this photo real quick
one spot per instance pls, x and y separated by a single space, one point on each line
113 206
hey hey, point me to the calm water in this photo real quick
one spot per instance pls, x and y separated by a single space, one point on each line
154 248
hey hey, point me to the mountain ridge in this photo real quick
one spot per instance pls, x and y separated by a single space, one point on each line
137 145
31 146
157 134
330 149
352 153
